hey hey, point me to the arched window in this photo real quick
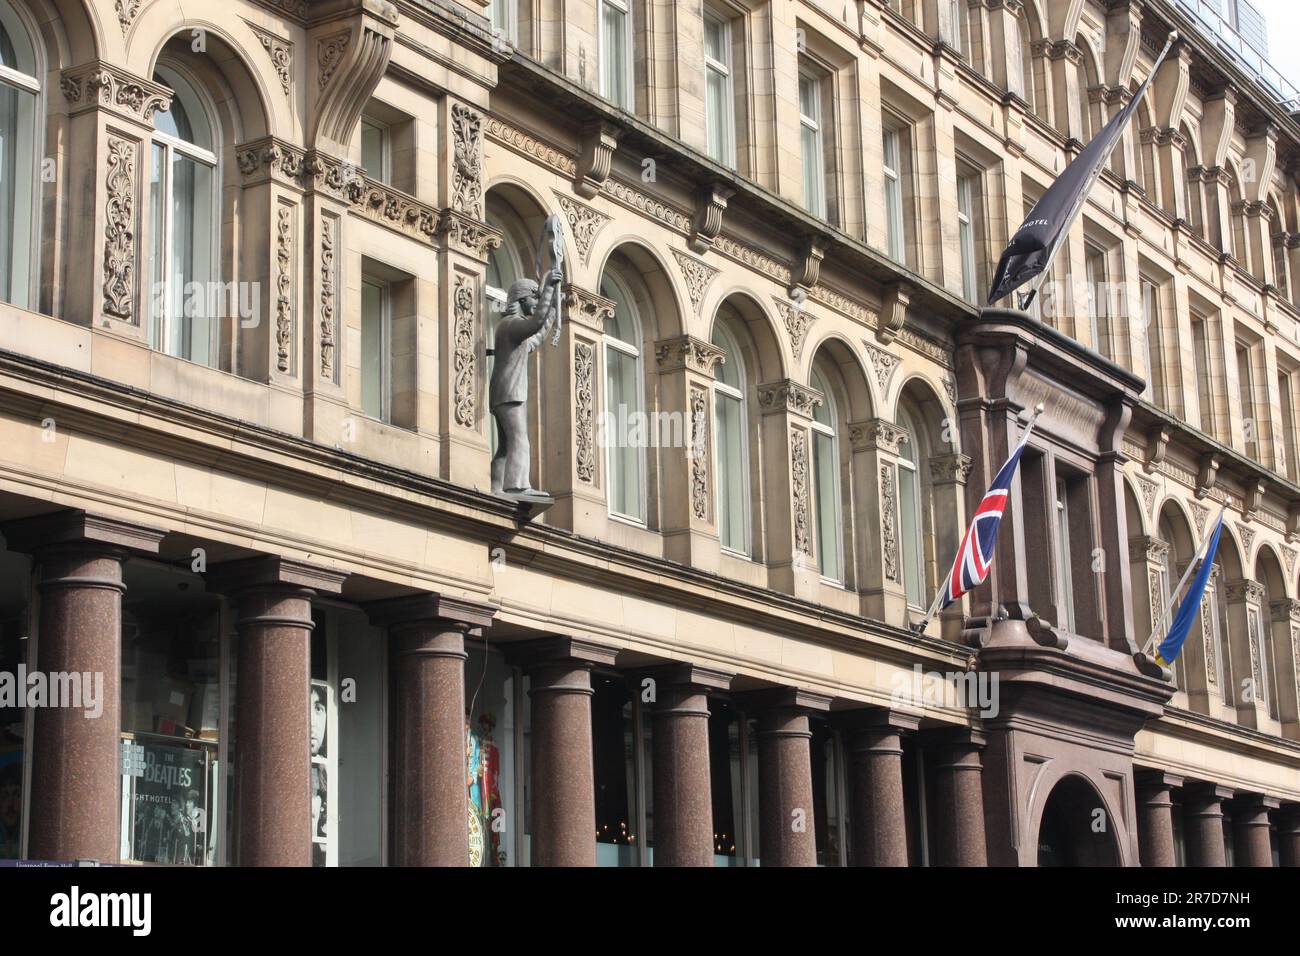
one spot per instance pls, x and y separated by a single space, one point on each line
826 483
504 267
911 519
19 157
730 446
625 457
184 290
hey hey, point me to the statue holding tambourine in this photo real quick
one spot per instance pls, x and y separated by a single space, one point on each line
532 309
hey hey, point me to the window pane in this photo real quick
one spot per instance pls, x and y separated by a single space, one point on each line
158 248
733 498
623 406
195 300
613 75
17 172
718 109
966 237
808 97
373 307
910 527
893 195
1064 573
372 150
812 170
828 506
715 40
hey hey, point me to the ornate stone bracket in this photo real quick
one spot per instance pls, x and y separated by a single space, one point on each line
807 268
893 311
599 140
349 65
1208 474
710 204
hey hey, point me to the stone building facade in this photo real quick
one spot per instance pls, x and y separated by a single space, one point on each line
256 253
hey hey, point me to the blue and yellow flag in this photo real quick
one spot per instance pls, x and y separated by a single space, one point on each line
1173 642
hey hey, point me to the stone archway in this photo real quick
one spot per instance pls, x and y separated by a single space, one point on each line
1076 829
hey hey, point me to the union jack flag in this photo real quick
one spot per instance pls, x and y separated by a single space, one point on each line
975 556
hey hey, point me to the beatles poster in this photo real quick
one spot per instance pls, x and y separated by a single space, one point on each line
169 802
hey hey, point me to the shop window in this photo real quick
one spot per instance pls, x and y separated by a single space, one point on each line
726 783
829 824
491 718
15 646
174 638
614 758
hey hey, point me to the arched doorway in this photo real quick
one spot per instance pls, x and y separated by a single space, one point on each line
1076 829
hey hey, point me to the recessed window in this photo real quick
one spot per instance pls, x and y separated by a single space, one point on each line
185 301
1286 397
616 52
811 143
1098 295
1152 349
910 519
720 102
1204 369
20 136
503 15
376 349
1246 393
967 191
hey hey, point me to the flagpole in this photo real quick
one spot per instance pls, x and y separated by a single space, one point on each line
1028 298
1191 566
939 591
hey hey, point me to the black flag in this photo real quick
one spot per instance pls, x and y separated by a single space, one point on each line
1034 244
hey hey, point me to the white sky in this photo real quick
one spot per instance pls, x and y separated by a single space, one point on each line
1283 18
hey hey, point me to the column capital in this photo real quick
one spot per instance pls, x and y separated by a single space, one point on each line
784 698
32 535
415 609
560 649
272 570
884 719
1205 790
1145 547
1157 780
788 396
688 352
964 737
1243 590
876 434
1256 801
686 674
102 84
586 309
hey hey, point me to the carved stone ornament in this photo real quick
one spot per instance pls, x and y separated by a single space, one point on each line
699 454
799 490
101 84
698 275
585 223
328 226
586 309
788 396
876 433
467 161
883 363
284 286
888 522
119 231
281 53
584 415
797 321
464 299
688 352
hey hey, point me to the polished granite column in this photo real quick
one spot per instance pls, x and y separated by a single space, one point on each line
1155 817
273 601
1203 823
957 758
427 676
76 759
1250 829
876 781
683 804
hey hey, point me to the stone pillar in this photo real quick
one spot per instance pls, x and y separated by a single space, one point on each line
1148 561
1203 823
1155 817
76 763
427 673
874 445
572 458
1285 617
948 476
273 597
786 410
959 799
1288 834
689 519
1245 635
876 787
786 834
1251 843
563 789
683 806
